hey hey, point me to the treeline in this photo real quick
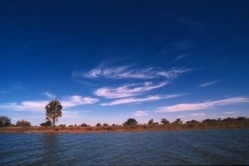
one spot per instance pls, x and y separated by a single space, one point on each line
6 121
229 122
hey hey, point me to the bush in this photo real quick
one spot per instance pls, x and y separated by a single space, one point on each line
83 125
130 122
105 124
23 123
48 123
151 122
164 121
4 121
98 124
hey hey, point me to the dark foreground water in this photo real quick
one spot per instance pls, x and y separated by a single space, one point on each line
206 147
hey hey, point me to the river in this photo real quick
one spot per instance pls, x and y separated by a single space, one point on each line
199 147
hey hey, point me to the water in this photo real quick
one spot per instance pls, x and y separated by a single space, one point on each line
205 147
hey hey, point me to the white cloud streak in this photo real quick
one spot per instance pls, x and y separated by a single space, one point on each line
139 100
206 84
203 105
39 106
127 90
140 113
198 114
127 72
49 95
230 113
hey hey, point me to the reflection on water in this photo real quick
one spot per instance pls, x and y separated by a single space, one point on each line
50 146
210 147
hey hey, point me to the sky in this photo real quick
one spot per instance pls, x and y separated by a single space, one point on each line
107 61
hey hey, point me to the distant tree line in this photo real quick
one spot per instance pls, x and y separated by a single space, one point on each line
6 121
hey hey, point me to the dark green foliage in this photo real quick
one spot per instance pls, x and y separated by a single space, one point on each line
23 123
164 121
83 125
98 124
151 122
53 111
130 122
177 121
105 124
48 123
5 121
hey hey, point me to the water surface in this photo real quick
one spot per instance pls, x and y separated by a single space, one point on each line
202 147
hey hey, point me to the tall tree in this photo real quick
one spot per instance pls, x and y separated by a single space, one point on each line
53 111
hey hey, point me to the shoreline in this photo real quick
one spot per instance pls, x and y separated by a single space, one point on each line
79 129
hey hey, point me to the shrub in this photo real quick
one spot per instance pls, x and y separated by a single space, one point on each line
48 123
4 121
164 121
23 123
83 125
130 122
98 124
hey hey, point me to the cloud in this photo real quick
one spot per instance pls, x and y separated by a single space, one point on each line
25 106
73 101
181 56
127 90
206 84
127 72
39 106
49 95
140 113
230 113
198 114
203 105
139 100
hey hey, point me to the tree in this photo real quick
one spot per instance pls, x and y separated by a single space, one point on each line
130 122
53 111
164 121
98 124
177 121
23 123
151 122
5 121
83 125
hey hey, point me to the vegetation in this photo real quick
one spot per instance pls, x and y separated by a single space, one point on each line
98 124
48 123
23 123
132 125
53 111
130 122
164 121
5 121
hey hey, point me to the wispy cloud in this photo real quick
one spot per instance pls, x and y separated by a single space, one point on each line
198 114
49 95
127 90
39 106
230 113
73 101
140 113
127 72
203 105
206 84
180 56
139 100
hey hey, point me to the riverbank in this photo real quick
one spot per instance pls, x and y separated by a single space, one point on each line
137 128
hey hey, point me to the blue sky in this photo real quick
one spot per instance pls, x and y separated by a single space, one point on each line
107 61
